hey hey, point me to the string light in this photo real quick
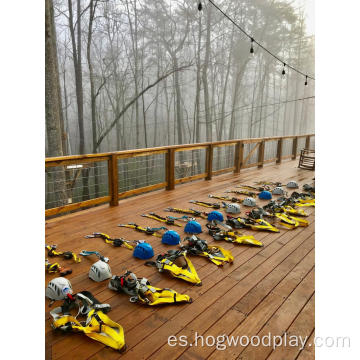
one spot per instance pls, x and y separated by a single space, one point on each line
259 45
200 6
283 71
306 82
252 47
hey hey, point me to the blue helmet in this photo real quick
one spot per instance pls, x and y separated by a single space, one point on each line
215 215
171 237
193 227
143 250
265 195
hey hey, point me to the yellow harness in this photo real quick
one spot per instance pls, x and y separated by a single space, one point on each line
166 262
216 254
235 237
141 290
98 326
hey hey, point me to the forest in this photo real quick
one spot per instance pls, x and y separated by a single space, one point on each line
127 74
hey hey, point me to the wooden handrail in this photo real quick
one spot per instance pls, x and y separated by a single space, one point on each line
112 160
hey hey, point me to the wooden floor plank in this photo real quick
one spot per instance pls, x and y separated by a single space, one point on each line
248 280
302 326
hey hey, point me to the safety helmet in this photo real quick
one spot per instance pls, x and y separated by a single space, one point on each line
278 191
292 185
215 215
58 289
265 195
100 271
171 237
249 201
143 250
193 227
233 208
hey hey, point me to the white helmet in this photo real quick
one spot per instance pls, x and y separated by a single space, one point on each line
58 289
292 185
249 201
100 271
278 191
233 208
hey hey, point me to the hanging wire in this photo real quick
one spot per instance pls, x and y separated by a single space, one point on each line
260 45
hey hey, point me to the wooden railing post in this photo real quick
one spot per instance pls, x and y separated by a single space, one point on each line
294 148
239 155
279 151
307 142
209 161
113 180
261 154
170 169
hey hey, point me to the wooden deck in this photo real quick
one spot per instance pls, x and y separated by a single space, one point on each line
269 289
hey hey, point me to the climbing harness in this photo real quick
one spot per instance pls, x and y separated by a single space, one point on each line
65 254
55 267
235 237
184 218
140 290
291 211
216 226
146 230
254 224
188 211
286 221
97 326
249 187
88 253
167 220
205 204
216 254
242 192
178 265
270 183
108 240
226 198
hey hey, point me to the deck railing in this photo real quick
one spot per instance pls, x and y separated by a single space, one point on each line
164 167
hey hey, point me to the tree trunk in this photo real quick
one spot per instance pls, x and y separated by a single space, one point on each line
53 108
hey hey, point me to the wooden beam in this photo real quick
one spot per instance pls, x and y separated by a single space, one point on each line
141 190
113 180
261 153
294 148
307 142
250 153
223 171
239 154
190 178
170 169
209 161
75 206
279 151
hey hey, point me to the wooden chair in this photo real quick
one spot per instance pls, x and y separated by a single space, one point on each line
307 159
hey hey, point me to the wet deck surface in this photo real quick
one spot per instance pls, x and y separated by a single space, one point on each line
266 290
